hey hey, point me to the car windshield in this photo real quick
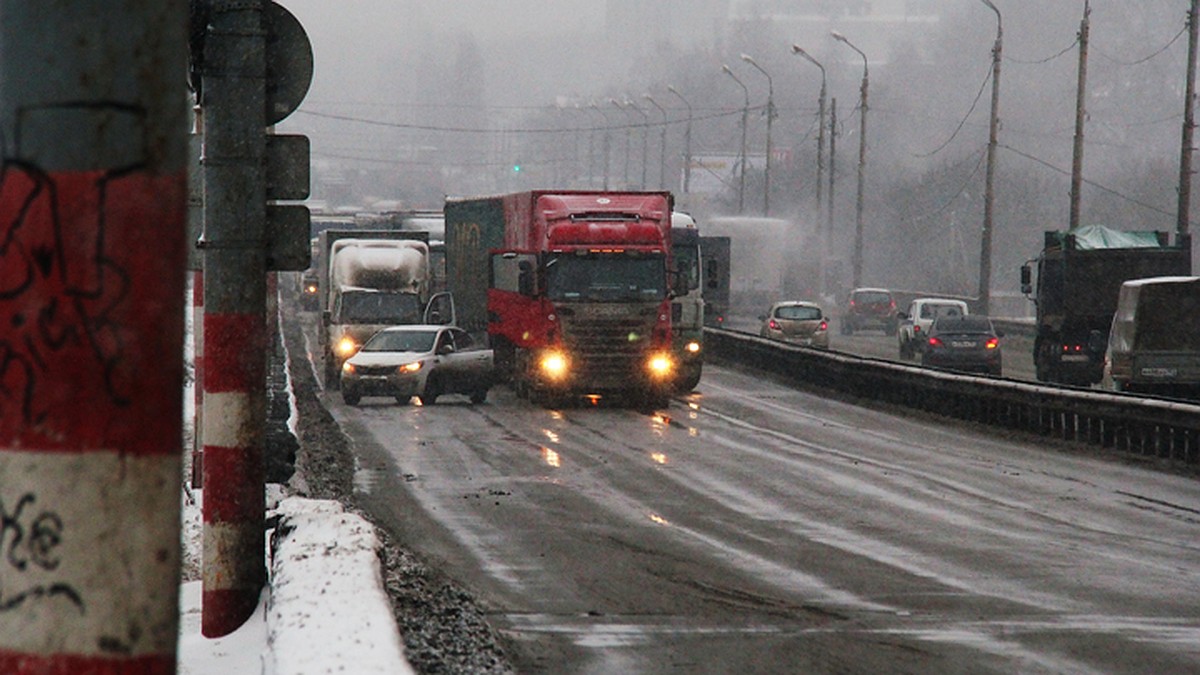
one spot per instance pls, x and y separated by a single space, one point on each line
379 308
931 311
401 341
606 277
798 313
965 324
872 297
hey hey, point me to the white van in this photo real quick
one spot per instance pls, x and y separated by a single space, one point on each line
1154 342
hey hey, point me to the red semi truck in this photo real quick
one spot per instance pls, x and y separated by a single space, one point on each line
572 289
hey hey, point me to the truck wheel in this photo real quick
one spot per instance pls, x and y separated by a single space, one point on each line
479 396
403 400
689 377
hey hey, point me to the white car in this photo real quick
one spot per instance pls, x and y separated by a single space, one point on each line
913 330
425 361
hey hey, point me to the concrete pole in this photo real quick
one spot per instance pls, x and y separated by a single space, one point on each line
662 144
1189 125
832 171
989 191
687 143
93 200
1080 113
234 323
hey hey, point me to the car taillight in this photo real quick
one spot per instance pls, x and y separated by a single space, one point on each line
935 342
916 329
993 343
824 326
1072 348
774 325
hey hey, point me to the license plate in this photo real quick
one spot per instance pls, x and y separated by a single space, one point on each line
1159 372
1075 358
962 344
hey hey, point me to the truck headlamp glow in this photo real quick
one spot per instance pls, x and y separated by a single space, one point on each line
347 346
554 365
693 347
660 365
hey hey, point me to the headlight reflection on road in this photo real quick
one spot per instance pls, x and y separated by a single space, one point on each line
659 519
659 457
551 457
550 435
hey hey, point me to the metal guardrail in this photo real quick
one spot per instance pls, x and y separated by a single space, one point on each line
1159 428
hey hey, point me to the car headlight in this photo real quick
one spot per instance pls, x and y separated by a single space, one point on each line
347 346
554 365
411 367
660 365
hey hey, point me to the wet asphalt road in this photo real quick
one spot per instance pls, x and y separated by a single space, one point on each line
753 528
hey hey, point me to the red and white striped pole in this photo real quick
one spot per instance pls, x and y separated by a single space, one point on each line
93 119
235 336
198 381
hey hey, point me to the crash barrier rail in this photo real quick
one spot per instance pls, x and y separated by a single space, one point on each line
1159 428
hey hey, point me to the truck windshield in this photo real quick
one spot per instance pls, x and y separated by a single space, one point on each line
606 277
380 308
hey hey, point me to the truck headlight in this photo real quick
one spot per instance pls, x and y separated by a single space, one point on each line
347 346
348 368
693 347
660 365
554 365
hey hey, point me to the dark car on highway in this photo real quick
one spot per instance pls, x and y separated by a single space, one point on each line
869 308
964 343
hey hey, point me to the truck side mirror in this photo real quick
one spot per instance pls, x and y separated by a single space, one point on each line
1026 280
326 317
525 278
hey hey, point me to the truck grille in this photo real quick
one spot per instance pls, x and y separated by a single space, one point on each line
608 351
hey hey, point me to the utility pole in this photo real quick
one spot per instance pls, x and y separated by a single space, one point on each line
235 333
832 171
687 143
246 87
662 145
989 190
741 157
1189 125
1080 114
93 201
857 262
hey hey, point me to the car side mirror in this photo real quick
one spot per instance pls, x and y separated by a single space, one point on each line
445 349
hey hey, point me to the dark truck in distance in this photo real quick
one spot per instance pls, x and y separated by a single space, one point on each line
1079 275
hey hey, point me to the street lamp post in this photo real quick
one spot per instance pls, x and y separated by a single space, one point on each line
742 156
797 49
607 139
828 239
989 195
628 135
662 144
862 162
687 142
645 132
770 116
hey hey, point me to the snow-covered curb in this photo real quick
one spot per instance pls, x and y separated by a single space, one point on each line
328 611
